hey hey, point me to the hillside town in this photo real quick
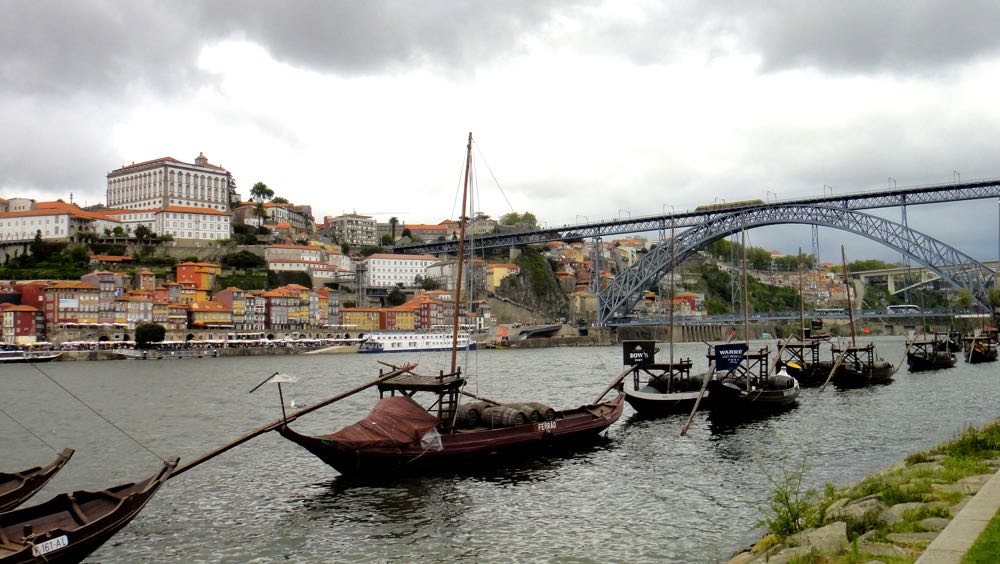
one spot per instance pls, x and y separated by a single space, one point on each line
163 216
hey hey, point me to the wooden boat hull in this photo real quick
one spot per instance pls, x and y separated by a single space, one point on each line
16 488
69 527
730 400
935 361
981 354
810 375
498 445
650 402
853 376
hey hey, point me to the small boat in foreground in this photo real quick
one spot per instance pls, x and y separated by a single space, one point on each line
399 436
69 527
17 487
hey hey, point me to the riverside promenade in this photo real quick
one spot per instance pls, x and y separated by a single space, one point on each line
950 546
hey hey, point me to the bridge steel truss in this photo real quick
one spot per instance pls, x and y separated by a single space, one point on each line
958 269
952 192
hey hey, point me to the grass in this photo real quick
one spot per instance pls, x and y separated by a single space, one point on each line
987 547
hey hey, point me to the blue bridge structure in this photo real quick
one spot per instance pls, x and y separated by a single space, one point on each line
705 224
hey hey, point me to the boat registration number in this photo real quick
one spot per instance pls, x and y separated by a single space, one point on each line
49 546
545 426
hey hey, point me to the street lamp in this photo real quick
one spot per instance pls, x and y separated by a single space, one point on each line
825 186
578 216
626 211
768 195
892 182
955 176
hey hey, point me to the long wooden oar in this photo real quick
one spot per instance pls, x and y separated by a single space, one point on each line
704 386
615 382
836 365
292 417
478 397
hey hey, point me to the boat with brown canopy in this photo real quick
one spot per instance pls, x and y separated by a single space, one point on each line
69 527
17 487
401 435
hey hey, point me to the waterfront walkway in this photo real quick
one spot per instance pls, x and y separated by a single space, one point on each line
958 537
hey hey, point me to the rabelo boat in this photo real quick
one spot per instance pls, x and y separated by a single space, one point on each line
17 487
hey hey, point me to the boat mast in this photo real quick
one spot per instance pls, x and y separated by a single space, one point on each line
847 287
802 303
673 265
746 290
461 258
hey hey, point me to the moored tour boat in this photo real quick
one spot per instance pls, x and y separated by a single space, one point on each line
12 357
979 349
415 341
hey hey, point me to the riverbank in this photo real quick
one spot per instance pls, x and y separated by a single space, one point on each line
929 508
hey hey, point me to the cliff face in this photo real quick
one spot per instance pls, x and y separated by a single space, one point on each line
535 288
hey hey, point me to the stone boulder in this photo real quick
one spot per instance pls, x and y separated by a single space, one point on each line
831 539
895 513
859 510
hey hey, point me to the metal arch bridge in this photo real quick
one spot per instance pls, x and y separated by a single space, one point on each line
958 269
917 195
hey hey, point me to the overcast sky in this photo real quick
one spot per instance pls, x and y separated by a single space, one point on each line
580 110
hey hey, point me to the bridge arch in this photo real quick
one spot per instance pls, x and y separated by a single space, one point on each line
953 266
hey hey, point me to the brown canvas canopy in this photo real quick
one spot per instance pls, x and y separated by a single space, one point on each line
395 420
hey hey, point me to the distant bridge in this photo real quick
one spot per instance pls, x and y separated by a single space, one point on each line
736 318
711 222
918 195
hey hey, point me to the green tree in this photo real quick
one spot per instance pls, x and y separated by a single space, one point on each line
407 232
279 200
345 248
396 297
526 219
994 295
144 233
387 240
260 212
963 300
427 283
243 260
261 193
393 222
118 231
147 333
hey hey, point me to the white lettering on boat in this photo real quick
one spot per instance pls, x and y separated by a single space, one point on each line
545 426
49 546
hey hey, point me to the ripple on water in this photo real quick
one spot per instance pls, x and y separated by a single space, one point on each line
644 495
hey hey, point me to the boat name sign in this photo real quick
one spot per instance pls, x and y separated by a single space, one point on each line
545 426
50 545
729 356
638 352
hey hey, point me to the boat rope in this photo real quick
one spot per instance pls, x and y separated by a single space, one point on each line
493 176
30 432
97 413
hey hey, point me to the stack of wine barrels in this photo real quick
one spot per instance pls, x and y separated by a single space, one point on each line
481 413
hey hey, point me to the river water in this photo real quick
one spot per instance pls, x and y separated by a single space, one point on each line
644 494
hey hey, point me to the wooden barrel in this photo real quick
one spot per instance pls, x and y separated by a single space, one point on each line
471 414
504 416
534 415
546 413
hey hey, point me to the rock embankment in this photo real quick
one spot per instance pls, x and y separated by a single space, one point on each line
892 515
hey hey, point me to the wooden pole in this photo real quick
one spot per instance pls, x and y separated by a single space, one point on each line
460 258
614 383
836 365
704 386
285 420
847 287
